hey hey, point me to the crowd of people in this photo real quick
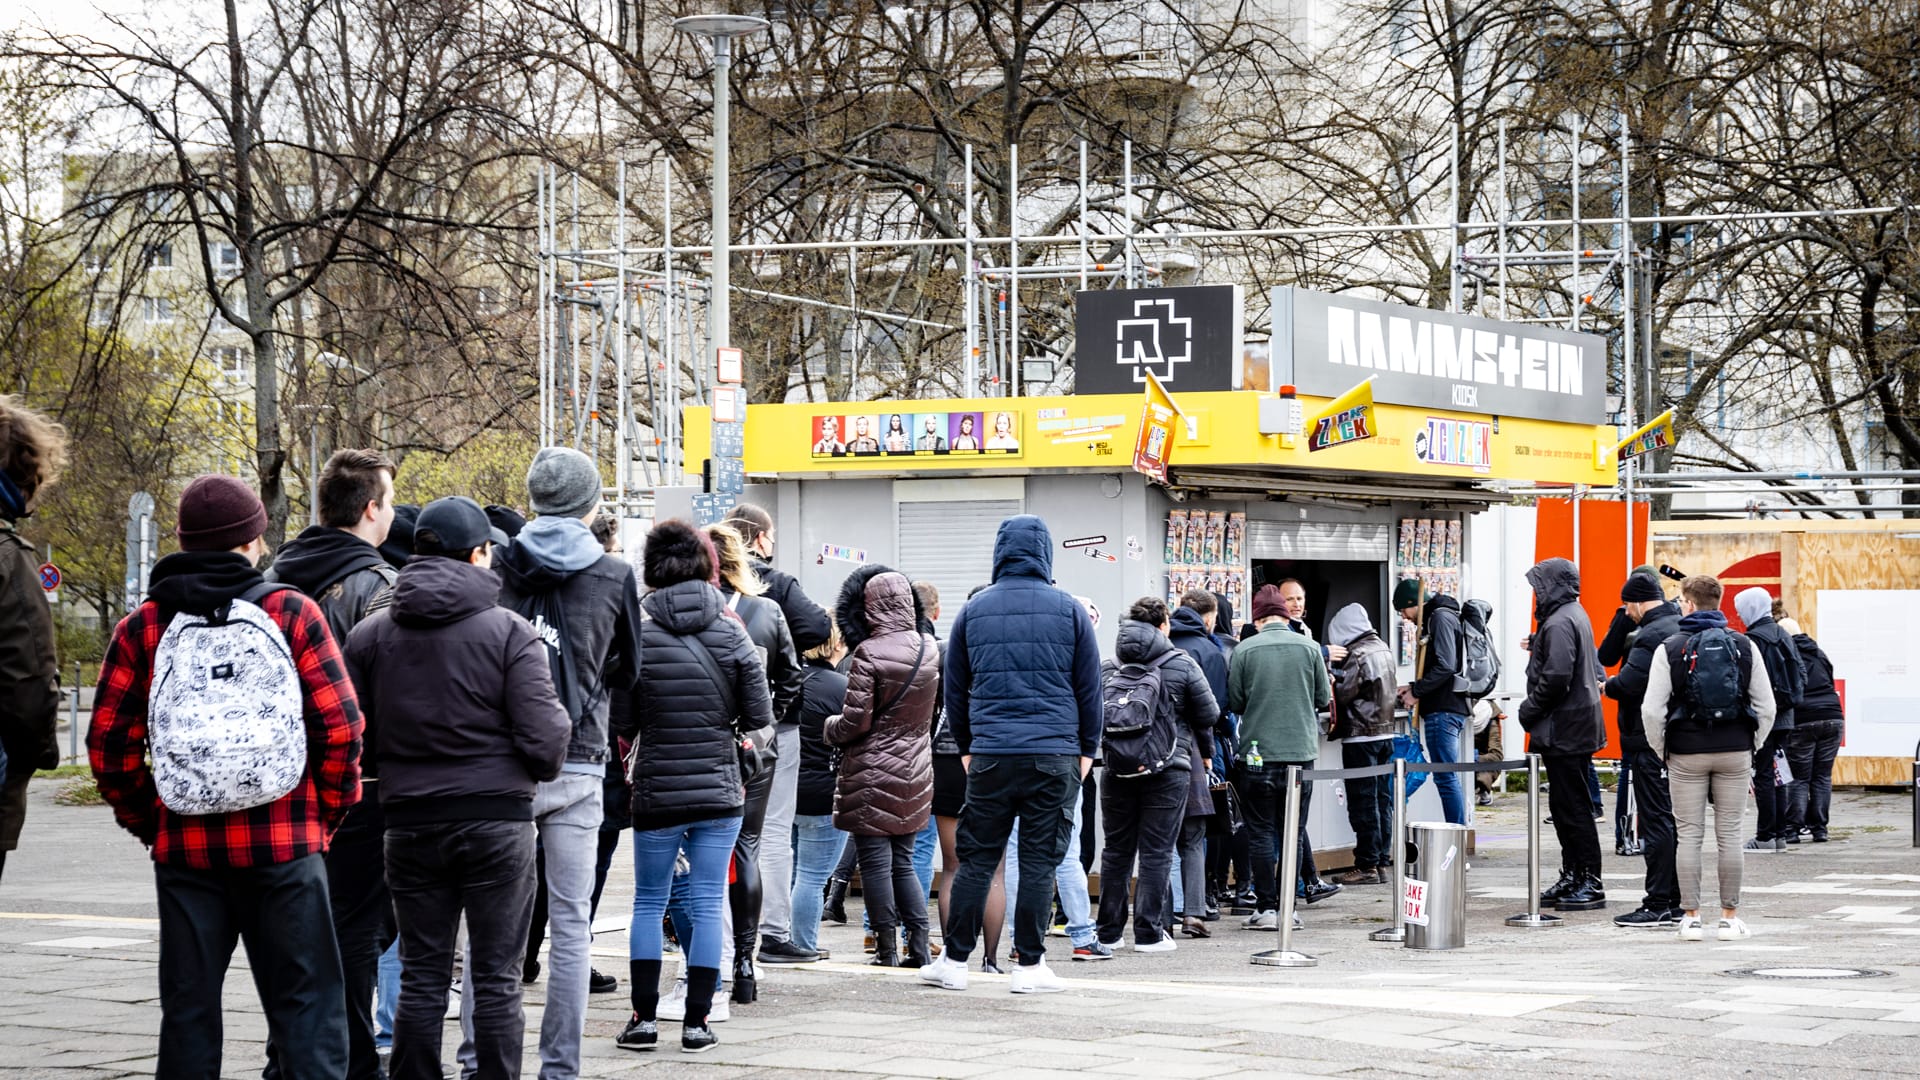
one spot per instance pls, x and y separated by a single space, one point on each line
413 745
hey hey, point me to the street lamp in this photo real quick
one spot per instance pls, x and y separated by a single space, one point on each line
721 29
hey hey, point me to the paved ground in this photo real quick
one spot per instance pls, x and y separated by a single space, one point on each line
77 984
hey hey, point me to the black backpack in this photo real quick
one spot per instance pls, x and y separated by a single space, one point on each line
1715 693
1138 736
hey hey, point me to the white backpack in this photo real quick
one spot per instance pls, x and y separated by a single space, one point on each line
225 721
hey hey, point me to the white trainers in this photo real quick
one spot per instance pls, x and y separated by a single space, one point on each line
945 973
1691 930
1733 929
1262 920
673 1007
1165 944
1037 979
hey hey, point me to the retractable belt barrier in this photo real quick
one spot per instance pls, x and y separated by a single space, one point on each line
1532 918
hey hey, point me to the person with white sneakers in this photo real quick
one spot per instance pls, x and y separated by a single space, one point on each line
1708 705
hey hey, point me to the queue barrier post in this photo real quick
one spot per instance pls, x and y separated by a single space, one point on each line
1398 931
1285 956
1533 918
73 717
1916 796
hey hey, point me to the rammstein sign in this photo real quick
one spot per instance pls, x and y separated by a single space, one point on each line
1189 337
1437 360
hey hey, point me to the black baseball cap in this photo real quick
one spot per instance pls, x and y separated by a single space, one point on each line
455 523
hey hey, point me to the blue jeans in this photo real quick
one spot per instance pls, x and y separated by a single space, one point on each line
709 845
1443 744
816 852
387 998
925 843
1070 878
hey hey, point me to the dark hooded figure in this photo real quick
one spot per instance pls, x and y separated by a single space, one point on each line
1561 715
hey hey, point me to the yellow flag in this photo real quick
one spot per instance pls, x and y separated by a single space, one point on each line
1657 435
1153 444
1348 419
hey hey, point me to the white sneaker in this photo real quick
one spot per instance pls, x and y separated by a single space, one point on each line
1037 979
1297 924
945 973
1165 944
1262 920
1732 930
1691 930
673 1007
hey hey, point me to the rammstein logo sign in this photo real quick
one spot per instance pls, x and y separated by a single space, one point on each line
1188 337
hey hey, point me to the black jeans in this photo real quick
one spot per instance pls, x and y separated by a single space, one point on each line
1770 800
603 862
1572 809
1265 807
1655 805
1811 750
436 872
1141 817
1369 803
892 890
283 915
1038 791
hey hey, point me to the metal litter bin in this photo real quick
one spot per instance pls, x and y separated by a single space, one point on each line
1434 895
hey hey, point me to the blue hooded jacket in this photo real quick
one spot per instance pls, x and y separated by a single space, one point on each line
1023 664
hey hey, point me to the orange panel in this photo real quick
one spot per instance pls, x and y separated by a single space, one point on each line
1603 563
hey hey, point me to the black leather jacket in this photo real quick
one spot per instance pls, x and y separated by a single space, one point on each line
767 626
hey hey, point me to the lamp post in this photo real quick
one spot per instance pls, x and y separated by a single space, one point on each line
721 29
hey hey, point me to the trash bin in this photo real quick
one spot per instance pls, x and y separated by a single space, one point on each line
1434 894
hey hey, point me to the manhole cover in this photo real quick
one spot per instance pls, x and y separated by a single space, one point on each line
1805 973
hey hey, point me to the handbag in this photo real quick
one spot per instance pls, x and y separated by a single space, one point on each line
1226 808
755 755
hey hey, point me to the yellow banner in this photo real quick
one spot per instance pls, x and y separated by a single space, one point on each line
1153 445
1350 418
1657 435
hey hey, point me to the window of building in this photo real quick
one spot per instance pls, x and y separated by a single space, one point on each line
234 362
226 258
95 258
159 256
156 309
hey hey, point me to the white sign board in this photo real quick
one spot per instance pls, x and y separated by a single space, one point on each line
1413 902
1873 638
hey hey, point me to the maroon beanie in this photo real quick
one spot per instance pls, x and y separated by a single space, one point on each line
219 513
1267 603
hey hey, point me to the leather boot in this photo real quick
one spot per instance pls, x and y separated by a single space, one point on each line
836 909
919 948
1551 895
886 946
1587 894
745 989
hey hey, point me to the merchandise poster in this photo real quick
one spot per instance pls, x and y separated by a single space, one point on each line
1194 551
1216 538
1236 539
1176 536
916 434
1423 542
1405 552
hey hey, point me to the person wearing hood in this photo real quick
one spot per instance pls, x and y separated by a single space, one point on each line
1772 799
1190 629
1818 724
33 450
397 548
1707 757
585 605
1022 686
1363 689
702 698
1561 716
883 796
339 565
255 874
463 723
1142 811
1444 713
1655 619
1228 851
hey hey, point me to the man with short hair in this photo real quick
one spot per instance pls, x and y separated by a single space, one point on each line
1788 682
338 563
1293 602
1022 689
1561 715
255 874
1443 711
1656 619
931 439
585 605
1277 683
1707 756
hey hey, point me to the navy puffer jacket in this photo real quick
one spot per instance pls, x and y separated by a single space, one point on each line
1023 663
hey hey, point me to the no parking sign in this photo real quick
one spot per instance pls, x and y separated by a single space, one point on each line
49 577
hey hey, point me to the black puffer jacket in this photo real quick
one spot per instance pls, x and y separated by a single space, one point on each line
768 629
1629 688
1194 707
823 693
686 759
1783 669
885 787
806 620
344 574
1440 645
1819 699
1561 712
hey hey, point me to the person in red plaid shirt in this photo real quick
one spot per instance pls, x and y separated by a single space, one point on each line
254 875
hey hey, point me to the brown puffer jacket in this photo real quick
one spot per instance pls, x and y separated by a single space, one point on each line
885 786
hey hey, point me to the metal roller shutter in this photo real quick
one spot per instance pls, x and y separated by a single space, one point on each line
1356 540
951 545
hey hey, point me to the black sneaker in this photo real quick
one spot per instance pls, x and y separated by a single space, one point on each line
1794 839
530 971
1819 837
598 983
785 952
1649 919
1093 950
1320 890
697 1040
639 1035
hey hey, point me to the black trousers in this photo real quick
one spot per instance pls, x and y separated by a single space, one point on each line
746 892
1369 803
1265 807
1141 818
283 915
1770 800
484 869
603 862
1089 827
1811 750
1038 791
1572 809
1655 805
890 887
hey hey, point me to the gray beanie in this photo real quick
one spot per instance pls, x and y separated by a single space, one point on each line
562 482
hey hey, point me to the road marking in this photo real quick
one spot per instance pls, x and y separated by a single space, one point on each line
104 920
92 942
